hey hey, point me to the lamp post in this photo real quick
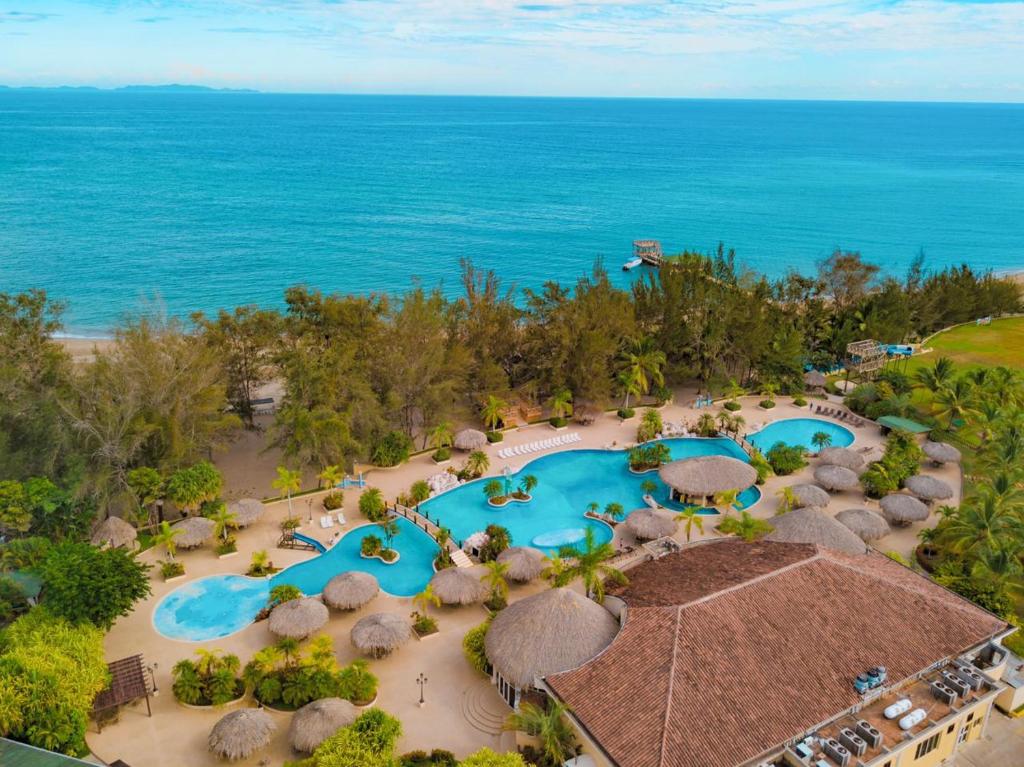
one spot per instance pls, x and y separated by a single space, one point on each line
309 509
421 680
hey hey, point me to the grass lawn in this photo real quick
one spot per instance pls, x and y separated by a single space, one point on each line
971 346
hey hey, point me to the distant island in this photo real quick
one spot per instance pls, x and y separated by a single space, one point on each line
168 88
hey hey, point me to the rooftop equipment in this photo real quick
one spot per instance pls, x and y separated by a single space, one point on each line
877 675
872 736
913 719
956 684
969 675
854 743
943 692
837 752
901 706
862 684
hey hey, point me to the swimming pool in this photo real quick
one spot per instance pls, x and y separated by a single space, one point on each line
799 432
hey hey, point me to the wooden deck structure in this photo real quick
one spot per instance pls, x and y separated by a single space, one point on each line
648 251
864 359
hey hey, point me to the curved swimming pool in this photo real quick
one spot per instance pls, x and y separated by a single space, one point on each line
799 432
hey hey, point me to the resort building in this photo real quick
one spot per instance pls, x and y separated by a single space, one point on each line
775 653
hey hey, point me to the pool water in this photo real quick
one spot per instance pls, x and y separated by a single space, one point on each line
798 432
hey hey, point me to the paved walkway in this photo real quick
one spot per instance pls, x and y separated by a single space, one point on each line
1002 745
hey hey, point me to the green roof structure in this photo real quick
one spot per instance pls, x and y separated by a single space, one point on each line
903 424
14 754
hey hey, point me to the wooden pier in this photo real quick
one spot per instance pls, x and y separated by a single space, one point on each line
648 251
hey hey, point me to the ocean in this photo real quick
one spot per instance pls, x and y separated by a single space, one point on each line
124 202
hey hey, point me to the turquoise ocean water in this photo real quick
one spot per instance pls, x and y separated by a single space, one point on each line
117 202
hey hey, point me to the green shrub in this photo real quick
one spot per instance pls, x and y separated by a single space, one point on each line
495 436
371 505
877 482
1015 643
649 456
767 404
442 454
558 421
436 758
661 394
625 413
799 401
650 426
423 624
498 539
732 406
392 449
171 569
861 397
761 466
226 547
371 546
745 526
334 500
12 601
357 683
283 676
211 681
485 757
473 646
785 459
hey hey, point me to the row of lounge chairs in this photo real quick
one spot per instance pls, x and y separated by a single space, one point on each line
840 415
536 447
327 520
671 429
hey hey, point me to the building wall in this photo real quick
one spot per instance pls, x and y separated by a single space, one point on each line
973 718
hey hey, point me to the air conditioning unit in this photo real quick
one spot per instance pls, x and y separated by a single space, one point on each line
853 742
837 752
969 675
944 693
870 733
955 683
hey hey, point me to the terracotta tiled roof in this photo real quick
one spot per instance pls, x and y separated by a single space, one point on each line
730 649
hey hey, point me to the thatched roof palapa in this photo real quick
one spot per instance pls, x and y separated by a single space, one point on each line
553 631
835 477
940 452
813 525
648 524
298 618
928 488
458 586
524 563
380 634
241 733
114 532
814 379
350 590
864 523
707 475
902 509
317 721
470 439
841 456
247 511
195 531
810 495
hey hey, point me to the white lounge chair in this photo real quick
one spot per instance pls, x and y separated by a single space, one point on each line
326 521
341 519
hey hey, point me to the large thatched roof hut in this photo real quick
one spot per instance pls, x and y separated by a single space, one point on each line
380 634
812 525
350 590
115 533
814 379
524 563
470 439
842 456
902 509
706 475
195 531
648 524
836 477
298 618
928 488
864 523
940 452
241 733
247 511
458 586
810 495
552 631
317 721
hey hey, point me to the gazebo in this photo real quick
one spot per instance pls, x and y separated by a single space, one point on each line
458 586
941 452
810 495
241 733
380 634
841 456
864 523
648 524
470 439
552 631
298 618
524 563
317 721
928 488
814 380
836 478
195 531
707 475
247 511
902 509
350 590
115 533
813 525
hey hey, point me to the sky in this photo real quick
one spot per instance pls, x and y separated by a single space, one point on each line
919 50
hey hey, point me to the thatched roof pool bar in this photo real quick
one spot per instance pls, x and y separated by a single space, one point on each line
350 590
707 475
241 733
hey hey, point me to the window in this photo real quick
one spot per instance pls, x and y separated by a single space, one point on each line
950 728
970 716
926 746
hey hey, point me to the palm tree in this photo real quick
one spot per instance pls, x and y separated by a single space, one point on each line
554 569
979 525
224 520
419 491
494 489
937 375
561 403
492 410
737 423
165 537
590 565
691 518
648 486
289 649
495 578
441 435
260 562
955 400
389 527
1002 568
821 439
641 362
330 476
556 736
477 463
321 653
284 592
287 482
745 526
730 499
426 599
593 506
787 499
706 425
769 389
527 484
724 419
734 391
614 511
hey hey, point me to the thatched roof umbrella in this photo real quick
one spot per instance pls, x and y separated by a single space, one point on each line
239 734
458 586
841 456
246 511
380 633
864 523
317 721
298 618
648 524
706 475
114 532
810 495
814 379
470 439
553 631
813 525
195 531
902 509
940 452
350 590
835 477
524 563
928 488
873 455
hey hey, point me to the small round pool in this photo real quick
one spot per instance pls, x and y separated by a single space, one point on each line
799 432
